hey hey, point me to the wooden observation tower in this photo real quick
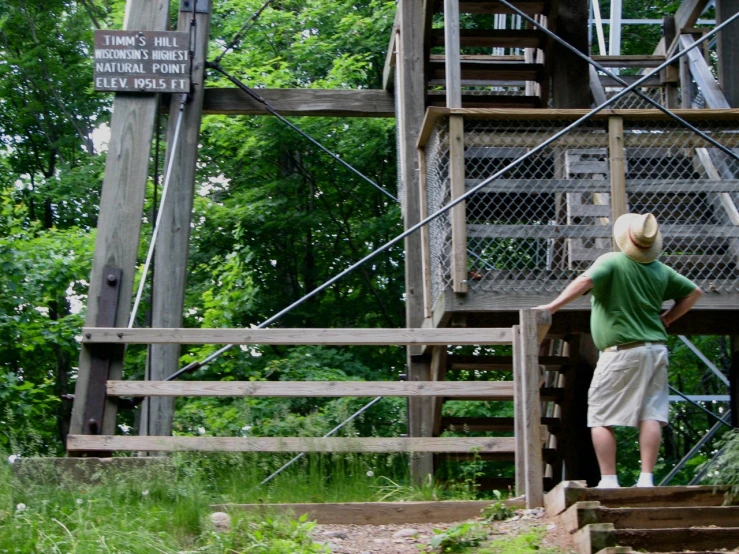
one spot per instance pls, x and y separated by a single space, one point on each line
495 111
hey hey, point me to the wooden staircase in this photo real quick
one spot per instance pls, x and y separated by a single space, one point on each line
657 519
513 74
553 365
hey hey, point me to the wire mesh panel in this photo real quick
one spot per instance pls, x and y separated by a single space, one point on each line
539 224
439 195
691 187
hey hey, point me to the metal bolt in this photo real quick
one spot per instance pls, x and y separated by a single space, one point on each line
111 279
88 335
120 335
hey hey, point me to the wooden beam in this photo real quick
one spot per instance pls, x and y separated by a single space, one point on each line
388 71
374 513
530 7
492 38
300 102
496 390
400 337
458 212
452 67
727 47
703 76
121 205
110 443
531 409
499 363
173 240
617 166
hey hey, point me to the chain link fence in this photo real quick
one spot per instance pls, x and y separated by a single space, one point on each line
542 223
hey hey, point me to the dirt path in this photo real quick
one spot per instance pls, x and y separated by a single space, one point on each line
415 538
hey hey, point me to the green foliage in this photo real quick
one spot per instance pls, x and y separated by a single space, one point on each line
528 542
726 469
387 490
458 538
497 511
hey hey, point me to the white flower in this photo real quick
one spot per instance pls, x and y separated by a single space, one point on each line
201 430
80 501
20 507
370 473
145 493
12 458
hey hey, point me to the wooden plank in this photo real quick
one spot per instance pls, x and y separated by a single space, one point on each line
617 165
670 186
121 204
403 336
531 406
438 98
530 7
500 363
568 493
703 76
300 102
592 231
173 240
496 390
492 424
641 60
438 376
688 13
492 38
388 70
108 443
665 540
373 513
458 212
489 71
674 517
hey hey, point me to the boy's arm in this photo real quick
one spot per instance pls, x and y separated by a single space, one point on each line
574 290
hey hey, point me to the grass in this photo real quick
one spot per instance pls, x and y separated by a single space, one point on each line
165 508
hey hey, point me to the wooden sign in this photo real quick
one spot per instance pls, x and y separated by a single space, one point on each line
142 61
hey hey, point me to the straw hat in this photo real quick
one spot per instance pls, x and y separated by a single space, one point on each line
638 236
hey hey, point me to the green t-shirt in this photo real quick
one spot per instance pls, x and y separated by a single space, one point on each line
627 299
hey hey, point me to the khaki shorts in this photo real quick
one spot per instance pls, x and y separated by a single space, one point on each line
629 386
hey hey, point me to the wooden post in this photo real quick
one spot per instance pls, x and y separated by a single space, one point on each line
456 145
617 162
420 422
734 381
173 242
438 373
728 47
410 84
121 207
425 244
531 405
671 74
570 75
518 413
459 212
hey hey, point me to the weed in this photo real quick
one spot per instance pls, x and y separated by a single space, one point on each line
458 537
525 543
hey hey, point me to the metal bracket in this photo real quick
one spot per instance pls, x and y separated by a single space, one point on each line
101 356
201 6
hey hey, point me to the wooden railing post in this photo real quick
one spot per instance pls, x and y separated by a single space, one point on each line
617 162
530 408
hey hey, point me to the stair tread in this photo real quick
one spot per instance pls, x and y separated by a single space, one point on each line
530 7
491 38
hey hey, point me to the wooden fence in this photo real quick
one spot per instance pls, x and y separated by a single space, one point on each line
524 390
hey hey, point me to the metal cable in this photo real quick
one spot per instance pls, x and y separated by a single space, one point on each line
297 129
241 33
331 432
615 76
702 408
155 232
196 365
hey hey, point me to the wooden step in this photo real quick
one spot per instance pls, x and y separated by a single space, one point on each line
549 455
567 493
489 71
488 101
594 537
530 7
585 513
500 363
493 38
482 424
